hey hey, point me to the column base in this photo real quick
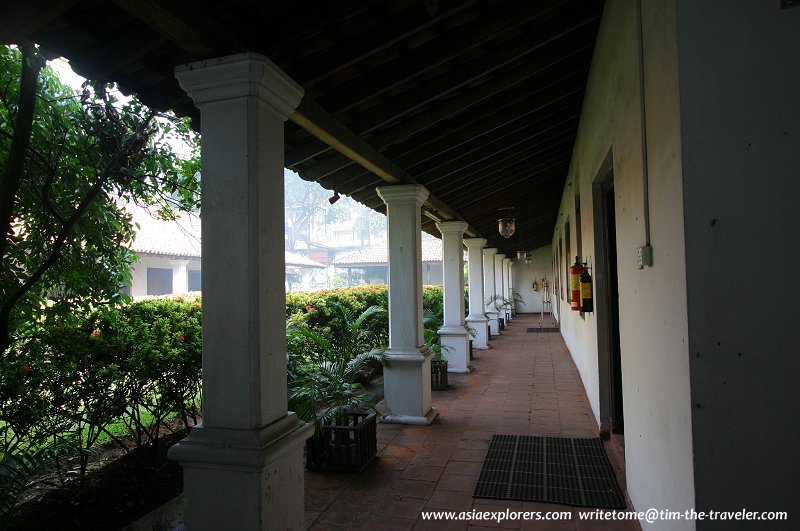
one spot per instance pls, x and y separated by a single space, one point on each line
494 325
407 386
480 324
455 348
244 479
411 420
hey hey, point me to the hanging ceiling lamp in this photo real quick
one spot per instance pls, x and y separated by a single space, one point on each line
506 224
522 256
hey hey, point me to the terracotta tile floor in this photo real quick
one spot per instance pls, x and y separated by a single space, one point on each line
526 384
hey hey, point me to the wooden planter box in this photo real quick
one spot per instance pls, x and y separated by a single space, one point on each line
344 448
438 375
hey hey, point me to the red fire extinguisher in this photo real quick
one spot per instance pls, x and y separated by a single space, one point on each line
587 304
575 273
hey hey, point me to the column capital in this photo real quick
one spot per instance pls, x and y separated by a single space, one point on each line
475 242
507 260
457 227
501 256
489 251
403 193
238 76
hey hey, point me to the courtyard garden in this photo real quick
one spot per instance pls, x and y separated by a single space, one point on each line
90 404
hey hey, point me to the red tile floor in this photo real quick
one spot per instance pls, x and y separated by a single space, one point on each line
526 384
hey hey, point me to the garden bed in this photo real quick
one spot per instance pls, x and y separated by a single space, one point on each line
116 492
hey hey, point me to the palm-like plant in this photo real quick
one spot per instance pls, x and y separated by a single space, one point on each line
326 389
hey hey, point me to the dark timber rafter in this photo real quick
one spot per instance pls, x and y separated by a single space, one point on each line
319 123
477 100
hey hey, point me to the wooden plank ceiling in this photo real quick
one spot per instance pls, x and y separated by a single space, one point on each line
478 100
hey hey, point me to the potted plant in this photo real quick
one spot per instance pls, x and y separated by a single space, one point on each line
327 391
472 334
439 372
432 318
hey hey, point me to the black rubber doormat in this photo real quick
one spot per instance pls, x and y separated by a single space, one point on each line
541 330
549 469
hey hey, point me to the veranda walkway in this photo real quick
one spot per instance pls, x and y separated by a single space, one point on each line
526 384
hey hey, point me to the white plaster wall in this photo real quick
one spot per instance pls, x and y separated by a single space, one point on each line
139 271
653 321
523 275
740 107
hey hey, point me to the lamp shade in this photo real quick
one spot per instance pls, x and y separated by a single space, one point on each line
506 226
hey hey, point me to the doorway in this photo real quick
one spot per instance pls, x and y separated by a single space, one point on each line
612 419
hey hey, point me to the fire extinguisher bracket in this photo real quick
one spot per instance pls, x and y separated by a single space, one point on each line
575 273
587 303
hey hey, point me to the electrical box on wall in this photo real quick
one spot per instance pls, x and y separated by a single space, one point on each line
644 256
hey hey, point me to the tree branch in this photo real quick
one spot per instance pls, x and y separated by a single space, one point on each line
109 173
23 125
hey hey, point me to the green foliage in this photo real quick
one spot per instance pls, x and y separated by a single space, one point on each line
318 309
139 365
325 370
63 233
20 473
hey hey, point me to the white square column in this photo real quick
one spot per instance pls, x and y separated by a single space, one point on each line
452 335
477 319
243 466
180 276
499 286
407 377
507 285
489 290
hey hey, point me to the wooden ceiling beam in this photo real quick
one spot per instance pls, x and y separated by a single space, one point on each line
23 19
441 139
464 168
489 193
349 52
433 54
173 27
531 129
472 71
542 169
525 81
564 83
317 122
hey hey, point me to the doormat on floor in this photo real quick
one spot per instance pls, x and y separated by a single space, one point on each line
549 469
542 330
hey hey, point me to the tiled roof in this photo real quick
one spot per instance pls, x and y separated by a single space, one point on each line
294 259
181 237
378 254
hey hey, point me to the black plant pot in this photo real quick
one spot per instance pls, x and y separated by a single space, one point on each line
344 447
438 375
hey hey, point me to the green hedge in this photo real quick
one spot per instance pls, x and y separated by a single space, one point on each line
125 371
317 309
130 369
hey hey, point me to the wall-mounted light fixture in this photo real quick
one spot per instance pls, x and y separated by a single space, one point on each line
522 256
506 225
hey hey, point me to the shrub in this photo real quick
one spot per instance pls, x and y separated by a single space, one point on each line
137 365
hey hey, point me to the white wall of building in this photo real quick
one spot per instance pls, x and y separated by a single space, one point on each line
653 320
740 122
139 270
523 275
